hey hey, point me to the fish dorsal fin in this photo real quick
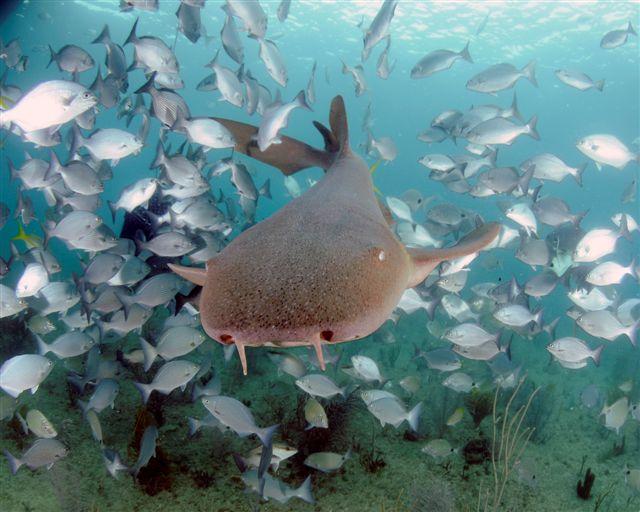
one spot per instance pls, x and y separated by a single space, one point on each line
425 260
338 122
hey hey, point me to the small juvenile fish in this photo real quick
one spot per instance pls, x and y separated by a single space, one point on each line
24 372
37 423
411 384
289 364
148 445
460 382
44 452
632 478
315 414
578 80
235 415
172 375
455 417
327 462
438 448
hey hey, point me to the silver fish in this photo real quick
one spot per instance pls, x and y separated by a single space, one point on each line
24 372
276 119
71 58
272 59
319 385
235 415
172 343
379 28
151 53
251 14
578 80
230 38
51 103
500 77
107 144
439 60
172 375
70 344
616 38
391 411
42 453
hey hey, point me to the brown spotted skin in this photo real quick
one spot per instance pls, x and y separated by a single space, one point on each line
326 268
326 265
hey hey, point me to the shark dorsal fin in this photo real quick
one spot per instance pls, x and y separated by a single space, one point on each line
338 122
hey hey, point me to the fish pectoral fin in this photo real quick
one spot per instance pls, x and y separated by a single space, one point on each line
290 155
425 260
192 274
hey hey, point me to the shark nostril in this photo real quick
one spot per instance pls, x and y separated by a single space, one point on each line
326 335
226 338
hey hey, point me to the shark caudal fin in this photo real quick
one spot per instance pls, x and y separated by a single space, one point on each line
426 260
292 155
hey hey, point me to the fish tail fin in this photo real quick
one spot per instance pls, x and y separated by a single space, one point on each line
525 181
464 53
77 140
301 100
624 228
113 208
12 170
145 390
514 108
579 172
104 37
83 405
345 68
160 157
577 219
531 128
179 123
14 463
631 30
537 317
596 355
265 189
43 348
266 434
124 302
632 333
150 353
52 55
132 38
194 426
599 84
529 71
414 417
304 491
54 166
147 86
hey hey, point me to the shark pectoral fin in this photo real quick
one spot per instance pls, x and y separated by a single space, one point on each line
317 345
290 155
425 260
192 274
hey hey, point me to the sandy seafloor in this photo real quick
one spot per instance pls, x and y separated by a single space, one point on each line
202 475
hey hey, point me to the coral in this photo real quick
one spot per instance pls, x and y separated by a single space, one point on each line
479 405
477 451
583 488
432 495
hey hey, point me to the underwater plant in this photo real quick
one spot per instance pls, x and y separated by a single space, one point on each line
583 487
433 495
479 404
509 441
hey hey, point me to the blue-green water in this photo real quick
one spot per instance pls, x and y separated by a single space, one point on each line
198 473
